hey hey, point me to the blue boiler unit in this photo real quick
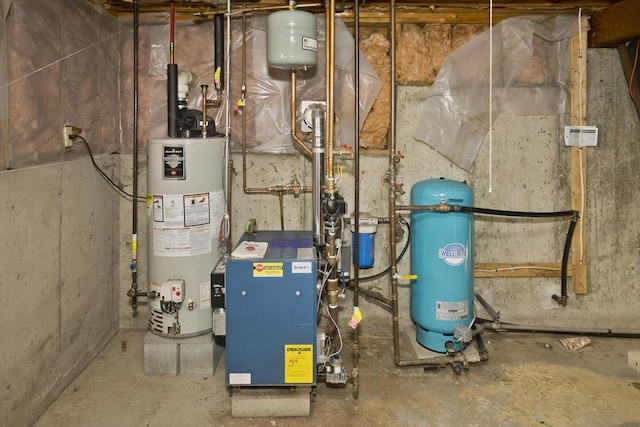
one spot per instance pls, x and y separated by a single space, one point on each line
442 258
271 311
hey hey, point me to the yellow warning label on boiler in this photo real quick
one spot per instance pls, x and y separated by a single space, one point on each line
268 269
298 363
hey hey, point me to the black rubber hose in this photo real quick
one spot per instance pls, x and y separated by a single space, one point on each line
562 300
374 295
498 212
482 349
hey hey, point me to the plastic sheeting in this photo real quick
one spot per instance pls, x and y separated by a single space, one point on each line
268 92
59 63
531 69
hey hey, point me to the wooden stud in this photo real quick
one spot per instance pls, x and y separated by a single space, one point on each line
579 160
529 269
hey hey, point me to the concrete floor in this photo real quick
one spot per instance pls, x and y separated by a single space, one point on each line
530 379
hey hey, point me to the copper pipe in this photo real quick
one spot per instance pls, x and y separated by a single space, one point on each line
356 213
257 190
299 143
244 115
437 361
227 130
331 255
204 110
399 208
392 200
172 32
318 115
229 199
330 71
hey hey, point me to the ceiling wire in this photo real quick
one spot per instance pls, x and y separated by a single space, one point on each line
580 109
490 96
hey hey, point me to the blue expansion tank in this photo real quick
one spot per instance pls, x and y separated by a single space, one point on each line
442 258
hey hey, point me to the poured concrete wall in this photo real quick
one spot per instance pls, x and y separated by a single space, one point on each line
60 305
67 236
59 63
530 171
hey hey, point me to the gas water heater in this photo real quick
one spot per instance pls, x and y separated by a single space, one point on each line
185 208
442 258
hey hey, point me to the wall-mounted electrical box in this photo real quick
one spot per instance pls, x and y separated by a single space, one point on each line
581 136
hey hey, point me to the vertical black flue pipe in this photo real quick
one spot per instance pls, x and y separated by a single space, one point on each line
172 100
218 60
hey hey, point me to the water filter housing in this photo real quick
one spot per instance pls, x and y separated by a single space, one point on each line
368 225
442 258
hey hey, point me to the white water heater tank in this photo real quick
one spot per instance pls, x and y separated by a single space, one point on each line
185 209
292 40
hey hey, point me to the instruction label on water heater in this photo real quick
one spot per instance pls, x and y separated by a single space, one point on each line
450 310
196 209
182 224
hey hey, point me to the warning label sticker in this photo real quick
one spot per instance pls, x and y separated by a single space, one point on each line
448 310
268 269
298 363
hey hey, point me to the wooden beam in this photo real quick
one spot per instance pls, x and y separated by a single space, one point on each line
528 269
615 24
472 14
579 160
417 11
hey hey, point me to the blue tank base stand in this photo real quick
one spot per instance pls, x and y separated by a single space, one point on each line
435 341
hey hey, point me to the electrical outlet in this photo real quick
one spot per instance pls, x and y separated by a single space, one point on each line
67 132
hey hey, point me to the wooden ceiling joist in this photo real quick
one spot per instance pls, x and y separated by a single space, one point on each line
615 24
416 11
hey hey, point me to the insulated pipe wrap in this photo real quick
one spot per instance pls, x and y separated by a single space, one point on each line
218 64
172 100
